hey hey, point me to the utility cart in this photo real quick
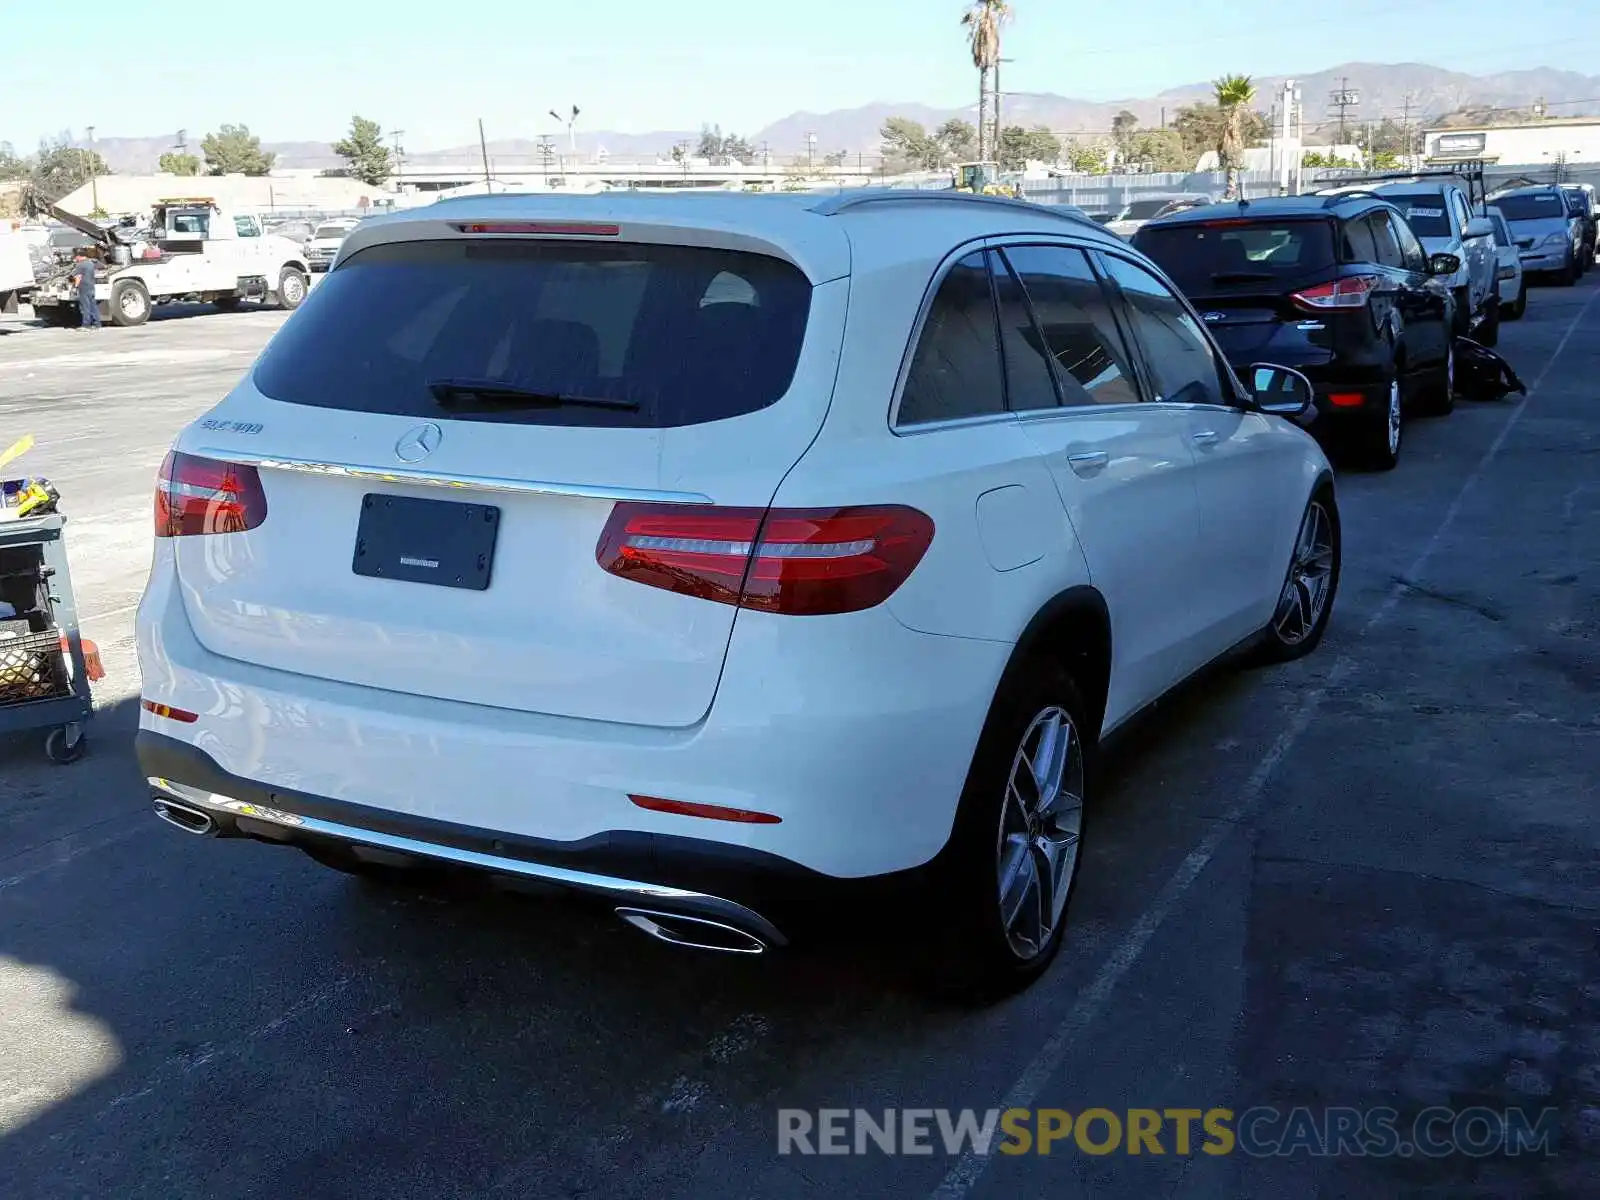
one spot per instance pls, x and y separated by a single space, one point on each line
44 679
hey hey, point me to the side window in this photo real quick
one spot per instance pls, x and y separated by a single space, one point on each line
1416 258
955 371
246 227
1074 317
1030 386
1388 244
1358 244
1462 215
1182 365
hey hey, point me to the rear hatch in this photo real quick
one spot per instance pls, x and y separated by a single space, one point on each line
1241 273
547 378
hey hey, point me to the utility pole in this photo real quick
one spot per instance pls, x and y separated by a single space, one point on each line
1405 126
1343 97
811 151
996 106
94 182
488 184
399 161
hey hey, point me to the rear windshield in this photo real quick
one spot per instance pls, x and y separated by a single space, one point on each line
650 336
1426 214
1535 206
1211 256
1143 210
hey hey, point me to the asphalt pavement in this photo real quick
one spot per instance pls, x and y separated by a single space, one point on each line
1367 880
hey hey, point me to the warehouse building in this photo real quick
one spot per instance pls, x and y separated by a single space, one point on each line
1573 141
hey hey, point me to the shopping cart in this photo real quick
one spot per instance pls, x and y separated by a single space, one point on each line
44 671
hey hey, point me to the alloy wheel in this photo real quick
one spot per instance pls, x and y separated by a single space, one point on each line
1306 591
1041 824
293 288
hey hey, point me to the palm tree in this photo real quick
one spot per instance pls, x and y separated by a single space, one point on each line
1234 96
983 21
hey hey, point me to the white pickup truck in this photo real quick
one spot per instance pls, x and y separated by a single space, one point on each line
190 249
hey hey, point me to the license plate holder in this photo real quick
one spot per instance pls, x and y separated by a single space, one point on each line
439 542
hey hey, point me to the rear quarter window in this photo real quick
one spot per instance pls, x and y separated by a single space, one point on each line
1215 257
663 336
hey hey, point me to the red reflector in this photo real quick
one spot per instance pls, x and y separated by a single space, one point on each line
712 812
1350 292
171 714
1346 399
200 495
801 562
573 228
1226 222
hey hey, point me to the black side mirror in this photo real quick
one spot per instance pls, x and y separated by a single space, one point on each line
1280 391
1444 264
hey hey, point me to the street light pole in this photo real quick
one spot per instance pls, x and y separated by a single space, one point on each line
399 162
571 124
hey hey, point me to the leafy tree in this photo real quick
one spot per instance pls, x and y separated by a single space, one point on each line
959 139
1234 96
1018 145
1159 150
720 149
1386 160
1201 126
1085 158
11 166
983 20
1316 158
710 146
836 159
59 168
363 149
907 144
737 149
1124 126
175 163
234 150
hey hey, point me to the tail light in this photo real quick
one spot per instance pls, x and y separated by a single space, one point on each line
201 495
800 562
1350 292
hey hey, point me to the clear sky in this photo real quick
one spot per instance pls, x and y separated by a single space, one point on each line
297 69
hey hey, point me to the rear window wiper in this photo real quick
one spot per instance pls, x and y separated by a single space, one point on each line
448 391
1241 276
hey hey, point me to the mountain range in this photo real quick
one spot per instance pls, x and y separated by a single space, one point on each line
1414 92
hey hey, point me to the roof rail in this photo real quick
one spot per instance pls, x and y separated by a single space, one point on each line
844 201
1332 198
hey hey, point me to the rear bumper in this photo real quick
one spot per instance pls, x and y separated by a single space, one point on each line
856 732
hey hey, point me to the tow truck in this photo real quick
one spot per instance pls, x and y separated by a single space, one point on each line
190 248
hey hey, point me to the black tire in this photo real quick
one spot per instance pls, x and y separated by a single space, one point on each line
1489 328
130 303
1463 313
1368 435
66 744
1437 396
1568 275
292 288
226 303
1513 312
1274 644
976 956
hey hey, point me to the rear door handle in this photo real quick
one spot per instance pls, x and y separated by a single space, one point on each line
1205 438
1086 461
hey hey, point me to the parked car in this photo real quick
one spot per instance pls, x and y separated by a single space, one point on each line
516 551
1337 287
1440 214
1548 236
1513 283
1580 202
324 245
1135 213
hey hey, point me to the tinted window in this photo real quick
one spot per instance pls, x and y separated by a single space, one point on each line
1358 244
1070 305
956 369
332 231
629 324
1383 237
1534 206
1182 365
1211 257
1416 258
1029 382
1426 213
1502 234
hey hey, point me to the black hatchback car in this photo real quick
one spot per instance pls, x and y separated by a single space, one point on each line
1338 287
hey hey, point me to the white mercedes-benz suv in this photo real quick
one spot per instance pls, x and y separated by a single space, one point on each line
729 558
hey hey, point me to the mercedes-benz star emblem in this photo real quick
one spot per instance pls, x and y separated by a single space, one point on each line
418 443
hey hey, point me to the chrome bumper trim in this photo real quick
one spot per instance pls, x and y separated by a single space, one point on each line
677 899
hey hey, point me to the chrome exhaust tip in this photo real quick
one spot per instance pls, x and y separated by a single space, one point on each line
190 820
695 933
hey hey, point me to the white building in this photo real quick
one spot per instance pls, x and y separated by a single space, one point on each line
1572 140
